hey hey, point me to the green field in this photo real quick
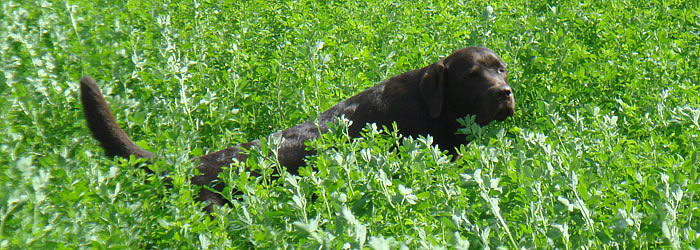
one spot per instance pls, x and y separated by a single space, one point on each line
602 152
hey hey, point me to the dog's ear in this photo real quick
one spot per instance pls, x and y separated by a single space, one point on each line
432 88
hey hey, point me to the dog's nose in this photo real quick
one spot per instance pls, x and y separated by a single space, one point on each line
506 91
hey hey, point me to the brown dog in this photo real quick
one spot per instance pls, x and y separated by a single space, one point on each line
424 101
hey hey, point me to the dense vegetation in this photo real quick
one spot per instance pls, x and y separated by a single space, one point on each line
602 151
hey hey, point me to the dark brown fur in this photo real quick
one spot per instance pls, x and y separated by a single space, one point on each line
424 101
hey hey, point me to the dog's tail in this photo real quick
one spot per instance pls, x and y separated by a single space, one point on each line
103 125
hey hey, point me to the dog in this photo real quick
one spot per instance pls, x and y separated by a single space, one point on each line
426 101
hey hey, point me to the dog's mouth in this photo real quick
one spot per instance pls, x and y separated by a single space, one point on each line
505 113
499 112
505 108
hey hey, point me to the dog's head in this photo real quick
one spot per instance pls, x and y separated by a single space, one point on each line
473 81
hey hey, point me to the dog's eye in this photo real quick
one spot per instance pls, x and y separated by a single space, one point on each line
502 70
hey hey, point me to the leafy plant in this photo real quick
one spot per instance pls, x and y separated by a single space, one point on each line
602 151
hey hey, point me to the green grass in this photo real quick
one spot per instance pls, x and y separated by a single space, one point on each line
602 151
